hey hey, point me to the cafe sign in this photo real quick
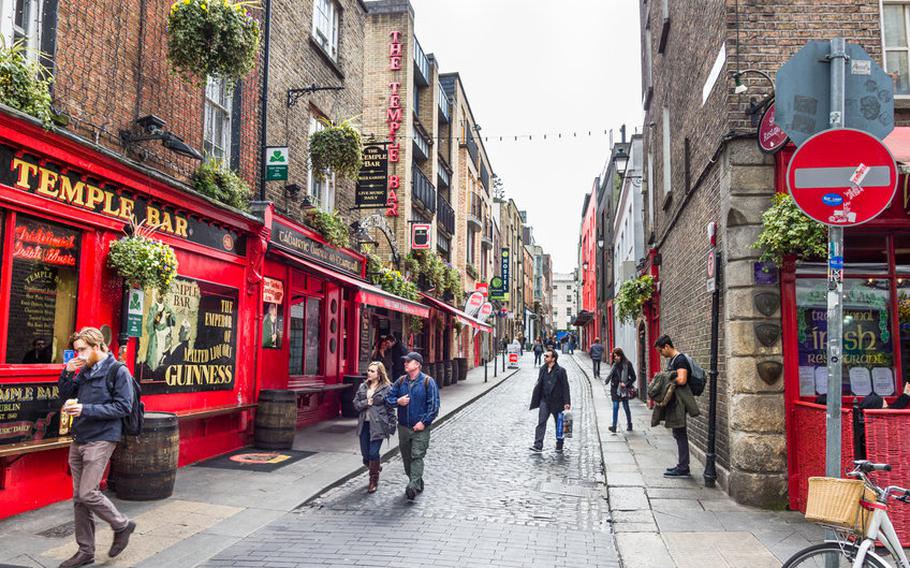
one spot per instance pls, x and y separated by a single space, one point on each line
299 243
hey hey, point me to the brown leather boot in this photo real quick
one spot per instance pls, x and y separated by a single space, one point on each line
374 476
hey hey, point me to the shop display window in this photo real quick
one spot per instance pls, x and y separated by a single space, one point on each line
305 336
868 345
43 291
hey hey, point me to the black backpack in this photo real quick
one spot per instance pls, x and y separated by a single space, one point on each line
132 422
697 378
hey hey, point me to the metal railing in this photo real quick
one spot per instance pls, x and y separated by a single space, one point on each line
471 144
423 190
444 179
445 215
421 145
475 214
486 239
485 177
421 65
443 103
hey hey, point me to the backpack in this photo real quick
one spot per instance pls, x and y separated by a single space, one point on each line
697 378
132 422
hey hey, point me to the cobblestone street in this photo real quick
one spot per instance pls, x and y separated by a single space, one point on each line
488 500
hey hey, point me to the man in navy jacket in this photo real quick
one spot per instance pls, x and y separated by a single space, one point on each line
97 427
417 398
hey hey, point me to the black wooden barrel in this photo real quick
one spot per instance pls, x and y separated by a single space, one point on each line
276 420
462 368
144 467
435 372
442 373
456 369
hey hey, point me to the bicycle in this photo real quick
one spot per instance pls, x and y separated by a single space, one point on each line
847 550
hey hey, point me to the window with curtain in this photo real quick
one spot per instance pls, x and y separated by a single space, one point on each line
217 134
43 292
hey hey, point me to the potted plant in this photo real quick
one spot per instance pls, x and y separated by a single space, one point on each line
471 271
212 38
25 83
337 148
788 231
212 179
632 295
143 261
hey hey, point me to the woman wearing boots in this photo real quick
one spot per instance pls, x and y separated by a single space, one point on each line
622 377
377 418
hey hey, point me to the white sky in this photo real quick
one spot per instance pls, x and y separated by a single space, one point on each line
542 67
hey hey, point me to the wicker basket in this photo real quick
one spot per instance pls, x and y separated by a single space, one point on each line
835 502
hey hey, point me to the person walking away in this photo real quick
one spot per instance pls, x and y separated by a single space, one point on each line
538 352
98 413
572 344
621 379
417 397
679 406
551 396
376 421
596 352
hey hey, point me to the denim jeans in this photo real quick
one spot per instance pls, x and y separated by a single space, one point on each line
625 407
596 363
537 358
369 449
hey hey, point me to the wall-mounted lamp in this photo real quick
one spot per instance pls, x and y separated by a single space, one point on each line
600 243
740 87
154 130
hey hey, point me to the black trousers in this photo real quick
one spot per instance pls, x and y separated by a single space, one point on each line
543 415
596 367
537 358
682 447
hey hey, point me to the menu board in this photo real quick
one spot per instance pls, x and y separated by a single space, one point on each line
189 339
28 411
365 344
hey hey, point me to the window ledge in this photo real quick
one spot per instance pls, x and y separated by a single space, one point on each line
336 68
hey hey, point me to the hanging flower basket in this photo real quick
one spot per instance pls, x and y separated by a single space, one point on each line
142 260
212 38
632 295
787 230
337 148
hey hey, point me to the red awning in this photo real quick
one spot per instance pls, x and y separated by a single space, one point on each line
898 142
368 294
459 315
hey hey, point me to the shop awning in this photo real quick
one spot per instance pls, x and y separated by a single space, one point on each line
898 142
367 293
583 317
459 315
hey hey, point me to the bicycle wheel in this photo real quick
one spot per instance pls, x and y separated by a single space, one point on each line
818 556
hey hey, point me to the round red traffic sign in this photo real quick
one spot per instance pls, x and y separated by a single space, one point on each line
842 177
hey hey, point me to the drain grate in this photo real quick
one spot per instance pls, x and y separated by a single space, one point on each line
60 531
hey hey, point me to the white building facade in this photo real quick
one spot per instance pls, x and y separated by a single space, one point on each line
564 299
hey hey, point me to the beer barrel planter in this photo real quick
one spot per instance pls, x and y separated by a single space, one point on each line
347 395
276 420
435 369
144 467
462 368
447 372
456 369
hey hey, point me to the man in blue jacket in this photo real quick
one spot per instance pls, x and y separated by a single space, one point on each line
417 398
97 427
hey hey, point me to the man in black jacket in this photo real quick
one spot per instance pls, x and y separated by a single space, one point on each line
98 415
550 397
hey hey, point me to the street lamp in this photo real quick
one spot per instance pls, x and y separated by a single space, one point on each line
621 159
740 87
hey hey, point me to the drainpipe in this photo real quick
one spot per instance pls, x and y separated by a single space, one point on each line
710 454
263 113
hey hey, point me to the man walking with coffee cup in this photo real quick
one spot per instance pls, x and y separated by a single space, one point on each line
103 393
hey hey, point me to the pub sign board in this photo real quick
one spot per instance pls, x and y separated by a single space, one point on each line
301 244
189 339
29 411
372 181
40 176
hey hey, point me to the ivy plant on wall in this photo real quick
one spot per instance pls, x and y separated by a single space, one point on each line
212 179
331 226
25 83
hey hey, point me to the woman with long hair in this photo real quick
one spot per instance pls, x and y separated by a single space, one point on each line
377 418
622 377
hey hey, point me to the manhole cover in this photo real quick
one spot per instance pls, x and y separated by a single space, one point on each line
60 531
338 429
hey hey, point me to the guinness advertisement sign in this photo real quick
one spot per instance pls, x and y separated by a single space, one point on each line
299 243
57 182
372 182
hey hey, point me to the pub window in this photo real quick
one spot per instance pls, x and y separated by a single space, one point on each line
217 139
322 191
305 336
22 23
42 299
895 18
325 26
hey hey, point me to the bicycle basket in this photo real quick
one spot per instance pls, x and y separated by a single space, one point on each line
835 502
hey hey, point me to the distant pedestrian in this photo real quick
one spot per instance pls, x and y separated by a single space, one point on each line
376 421
417 397
538 351
397 353
571 344
597 354
551 396
621 379
103 390
680 405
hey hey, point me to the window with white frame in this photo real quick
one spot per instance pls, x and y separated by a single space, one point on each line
216 141
667 173
321 190
895 25
21 22
326 25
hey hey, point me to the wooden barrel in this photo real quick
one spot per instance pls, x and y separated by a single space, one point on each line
435 372
276 420
462 368
456 369
144 467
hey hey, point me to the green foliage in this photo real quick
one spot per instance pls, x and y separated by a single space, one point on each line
454 283
25 84
472 271
331 226
389 280
143 261
632 294
217 38
787 230
221 184
415 324
337 148
429 269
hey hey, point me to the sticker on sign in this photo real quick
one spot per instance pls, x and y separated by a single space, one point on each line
859 174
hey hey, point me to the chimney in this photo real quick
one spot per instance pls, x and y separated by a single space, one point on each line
622 131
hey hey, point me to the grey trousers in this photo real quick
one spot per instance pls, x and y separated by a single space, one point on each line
87 463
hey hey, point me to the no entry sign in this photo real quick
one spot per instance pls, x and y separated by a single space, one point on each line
842 177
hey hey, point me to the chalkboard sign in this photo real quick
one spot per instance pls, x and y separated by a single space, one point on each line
365 344
29 411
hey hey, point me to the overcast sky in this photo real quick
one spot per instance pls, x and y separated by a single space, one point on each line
535 67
